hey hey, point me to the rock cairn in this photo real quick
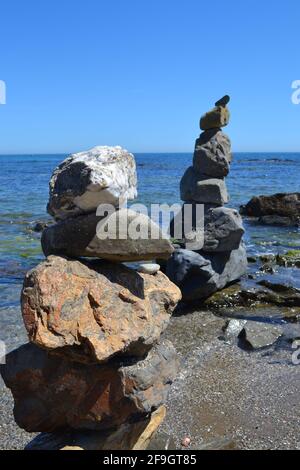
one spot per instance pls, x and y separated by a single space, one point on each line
221 257
95 362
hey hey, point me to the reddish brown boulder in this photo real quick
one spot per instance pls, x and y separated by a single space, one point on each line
53 393
93 311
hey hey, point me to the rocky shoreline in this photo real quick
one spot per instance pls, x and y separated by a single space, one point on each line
115 358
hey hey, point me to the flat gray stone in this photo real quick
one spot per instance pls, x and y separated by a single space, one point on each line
82 236
197 188
260 335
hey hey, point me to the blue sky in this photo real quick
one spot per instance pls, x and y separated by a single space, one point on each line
139 73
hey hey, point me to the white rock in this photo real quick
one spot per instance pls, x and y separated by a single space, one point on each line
148 268
102 175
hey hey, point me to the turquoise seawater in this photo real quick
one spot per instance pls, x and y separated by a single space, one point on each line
24 192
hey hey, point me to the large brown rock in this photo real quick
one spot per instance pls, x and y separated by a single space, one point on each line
123 236
281 204
93 311
52 393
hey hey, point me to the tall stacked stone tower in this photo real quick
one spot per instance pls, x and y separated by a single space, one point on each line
220 257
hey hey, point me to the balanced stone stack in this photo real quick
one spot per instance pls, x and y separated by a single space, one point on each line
95 362
220 258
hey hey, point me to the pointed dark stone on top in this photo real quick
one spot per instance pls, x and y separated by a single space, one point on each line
223 101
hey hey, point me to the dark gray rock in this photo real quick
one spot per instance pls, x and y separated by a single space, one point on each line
185 264
196 187
79 236
212 155
223 227
199 275
223 101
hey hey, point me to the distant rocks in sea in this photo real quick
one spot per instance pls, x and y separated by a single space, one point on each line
96 359
281 209
220 257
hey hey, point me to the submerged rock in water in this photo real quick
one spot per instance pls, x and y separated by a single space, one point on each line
197 188
124 235
94 311
102 175
52 393
282 206
259 335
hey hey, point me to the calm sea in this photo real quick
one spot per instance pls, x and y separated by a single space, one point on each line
24 192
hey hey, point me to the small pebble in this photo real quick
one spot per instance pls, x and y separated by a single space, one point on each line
148 268
185 441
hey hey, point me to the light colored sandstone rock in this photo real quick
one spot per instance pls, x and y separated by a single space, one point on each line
95 310
86 179
124 235
217 117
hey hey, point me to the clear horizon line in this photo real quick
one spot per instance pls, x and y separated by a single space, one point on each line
150 152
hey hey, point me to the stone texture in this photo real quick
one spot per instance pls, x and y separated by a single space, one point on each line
95 310
217 117
221 230
201 274
52 393
197 188
259 335
113 237
148 268
280 204
86 179
128 436
212 155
